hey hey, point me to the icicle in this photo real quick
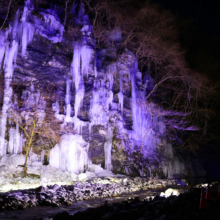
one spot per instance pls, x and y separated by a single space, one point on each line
100 105
79 99
82 55
28 29
23 30
95 62
75 66
32 87
11 140
133 102
10 55
80 64
17 147
15 143
27 36
3 44
108 148
78 78
78 125
86 55
67 101
121 101
120 94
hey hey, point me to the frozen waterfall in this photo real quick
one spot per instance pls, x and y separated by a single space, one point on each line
148 127
80 67
9 50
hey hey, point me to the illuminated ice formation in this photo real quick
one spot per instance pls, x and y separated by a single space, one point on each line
106 108
80 67
16 140
10 57
67 101
50 26
172 166
26 27
108 149
33 104
71 154
100 105
120 94
8 51
148 126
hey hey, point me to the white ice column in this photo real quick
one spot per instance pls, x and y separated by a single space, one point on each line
77 78
71 154
80 67
10 57
67 100
8 51
15 140
120 94
108 148
133 101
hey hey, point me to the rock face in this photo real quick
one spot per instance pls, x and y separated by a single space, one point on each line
96 94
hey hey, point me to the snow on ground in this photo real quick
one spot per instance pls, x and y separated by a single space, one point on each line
169 192
11 173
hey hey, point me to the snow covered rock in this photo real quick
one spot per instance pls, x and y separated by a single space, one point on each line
170 192
82 176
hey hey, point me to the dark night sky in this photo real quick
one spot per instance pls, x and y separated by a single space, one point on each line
199 28
205 14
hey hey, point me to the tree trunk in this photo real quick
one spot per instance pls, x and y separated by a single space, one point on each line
28 148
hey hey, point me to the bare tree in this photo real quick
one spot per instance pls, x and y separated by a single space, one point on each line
35 129
150 32
8 10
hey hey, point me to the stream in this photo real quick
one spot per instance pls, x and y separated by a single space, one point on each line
47 212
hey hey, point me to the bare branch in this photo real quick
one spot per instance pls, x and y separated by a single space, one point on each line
9 5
